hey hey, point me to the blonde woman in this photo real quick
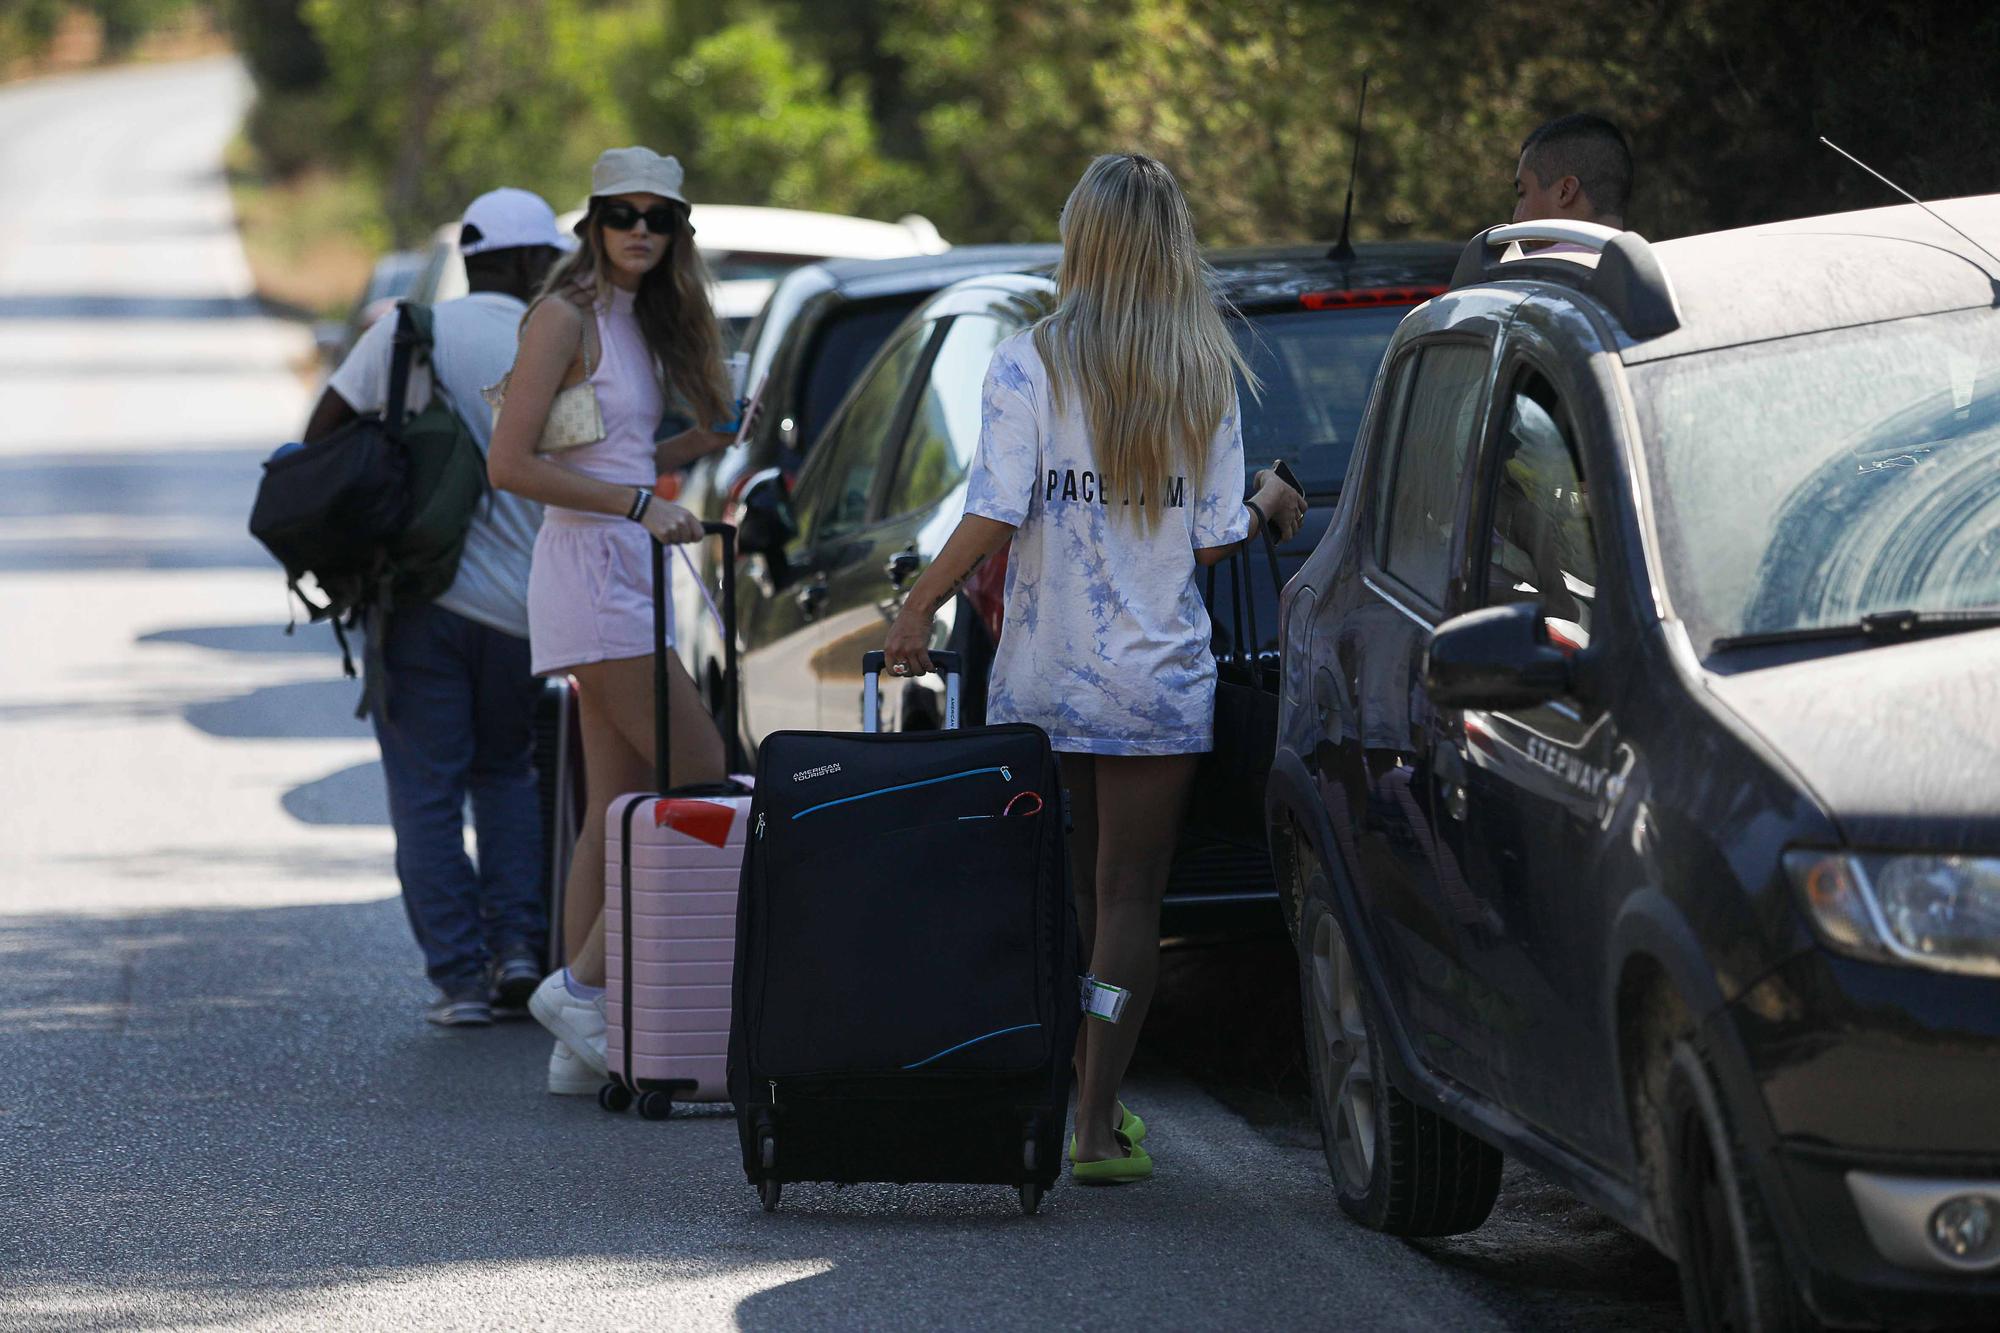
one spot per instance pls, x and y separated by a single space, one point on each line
1111 457
629 312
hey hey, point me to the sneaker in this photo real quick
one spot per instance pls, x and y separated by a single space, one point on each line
578 1024
458 1011
569 1076
515 977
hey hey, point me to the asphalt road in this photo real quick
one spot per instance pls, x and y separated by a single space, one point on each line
219 1105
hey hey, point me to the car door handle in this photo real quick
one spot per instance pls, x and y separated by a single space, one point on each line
811 598
902 566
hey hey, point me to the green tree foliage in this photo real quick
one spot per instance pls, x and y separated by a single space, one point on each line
27 27
981 113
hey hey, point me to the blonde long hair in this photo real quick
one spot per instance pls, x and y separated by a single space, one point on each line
672 308
1138 331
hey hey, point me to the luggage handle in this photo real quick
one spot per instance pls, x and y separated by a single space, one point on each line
731 742
944 662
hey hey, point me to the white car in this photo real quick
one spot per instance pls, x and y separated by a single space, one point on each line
748 249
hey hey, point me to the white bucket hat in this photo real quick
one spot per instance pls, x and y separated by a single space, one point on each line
637 171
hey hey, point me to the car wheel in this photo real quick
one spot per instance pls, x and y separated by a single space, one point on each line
1396 1167
1733 1277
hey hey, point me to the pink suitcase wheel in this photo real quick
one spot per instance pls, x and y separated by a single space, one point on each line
614 1097
655 1106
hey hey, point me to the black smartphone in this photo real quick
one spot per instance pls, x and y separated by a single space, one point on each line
1284 471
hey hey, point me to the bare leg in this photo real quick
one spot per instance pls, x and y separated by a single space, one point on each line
618 745
1079 779
1139 806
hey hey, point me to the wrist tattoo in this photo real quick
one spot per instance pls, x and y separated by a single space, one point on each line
961 580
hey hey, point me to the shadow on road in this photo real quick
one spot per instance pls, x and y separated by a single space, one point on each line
1228 1016
98 305
353 796
259 639
188 509
302 710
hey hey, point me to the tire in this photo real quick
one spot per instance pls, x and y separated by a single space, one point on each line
655 1106
768 1193
614 1097
1733 1276
1396 1166
1031 1199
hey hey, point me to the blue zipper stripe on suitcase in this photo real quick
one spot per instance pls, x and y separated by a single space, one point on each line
907 786
1018 1027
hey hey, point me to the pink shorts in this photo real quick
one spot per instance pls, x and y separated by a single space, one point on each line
590 592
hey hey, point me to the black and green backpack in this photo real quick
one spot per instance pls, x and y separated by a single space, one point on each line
378 511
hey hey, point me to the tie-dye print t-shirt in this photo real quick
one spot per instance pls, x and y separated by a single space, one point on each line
1105 644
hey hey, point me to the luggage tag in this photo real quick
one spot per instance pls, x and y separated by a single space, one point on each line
1101 999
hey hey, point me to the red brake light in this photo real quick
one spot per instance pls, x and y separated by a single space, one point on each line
1364 296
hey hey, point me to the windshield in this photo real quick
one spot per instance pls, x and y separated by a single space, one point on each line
1809 481
1316 367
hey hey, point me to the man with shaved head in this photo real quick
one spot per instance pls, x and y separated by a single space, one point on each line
1578 168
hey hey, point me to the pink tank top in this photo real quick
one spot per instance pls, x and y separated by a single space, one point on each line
628 395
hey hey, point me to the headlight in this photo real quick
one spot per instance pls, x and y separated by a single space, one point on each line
1938 911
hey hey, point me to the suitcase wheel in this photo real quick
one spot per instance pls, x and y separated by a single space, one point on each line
655 1106
1028 1154
767 1152
768 1191
1031 1199
614 1097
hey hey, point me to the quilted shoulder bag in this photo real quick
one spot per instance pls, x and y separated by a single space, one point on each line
574 416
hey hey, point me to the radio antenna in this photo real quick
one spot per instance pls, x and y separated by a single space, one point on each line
1343 249
1907 195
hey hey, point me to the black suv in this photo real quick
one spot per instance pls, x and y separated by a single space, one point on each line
885 487
1637 796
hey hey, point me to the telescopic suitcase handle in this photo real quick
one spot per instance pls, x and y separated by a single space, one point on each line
944 662
731 742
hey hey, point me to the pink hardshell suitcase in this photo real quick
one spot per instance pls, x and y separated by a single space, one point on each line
672 857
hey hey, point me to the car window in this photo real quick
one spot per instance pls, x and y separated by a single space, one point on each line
844 482
1316 367
844 344
1421 473
1540 547
944 428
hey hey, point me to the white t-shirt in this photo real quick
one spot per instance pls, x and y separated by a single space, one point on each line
1105 642
475 337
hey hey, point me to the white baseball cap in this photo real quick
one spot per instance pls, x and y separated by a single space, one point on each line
637 171
507 218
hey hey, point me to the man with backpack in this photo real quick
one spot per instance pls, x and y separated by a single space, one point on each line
453 700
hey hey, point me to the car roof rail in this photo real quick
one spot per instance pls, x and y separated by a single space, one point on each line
1628 279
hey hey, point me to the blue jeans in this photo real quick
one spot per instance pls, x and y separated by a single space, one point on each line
457 718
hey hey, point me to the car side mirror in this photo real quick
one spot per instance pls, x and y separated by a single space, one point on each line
1496 657
767 523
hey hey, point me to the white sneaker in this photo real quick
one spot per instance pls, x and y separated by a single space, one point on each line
569 1076
577 1024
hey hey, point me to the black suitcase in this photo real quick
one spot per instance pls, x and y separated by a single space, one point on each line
905 1003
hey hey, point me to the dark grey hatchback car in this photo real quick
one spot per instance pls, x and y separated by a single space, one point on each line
1637 795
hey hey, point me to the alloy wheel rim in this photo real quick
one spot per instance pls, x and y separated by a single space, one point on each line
1347 1072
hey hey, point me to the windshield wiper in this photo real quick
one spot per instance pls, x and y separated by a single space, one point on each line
1876 627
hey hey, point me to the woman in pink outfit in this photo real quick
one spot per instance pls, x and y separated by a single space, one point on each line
629 311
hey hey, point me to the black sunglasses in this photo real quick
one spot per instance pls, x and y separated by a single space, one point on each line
661 219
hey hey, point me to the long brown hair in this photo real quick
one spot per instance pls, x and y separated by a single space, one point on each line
672 308
1138 331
